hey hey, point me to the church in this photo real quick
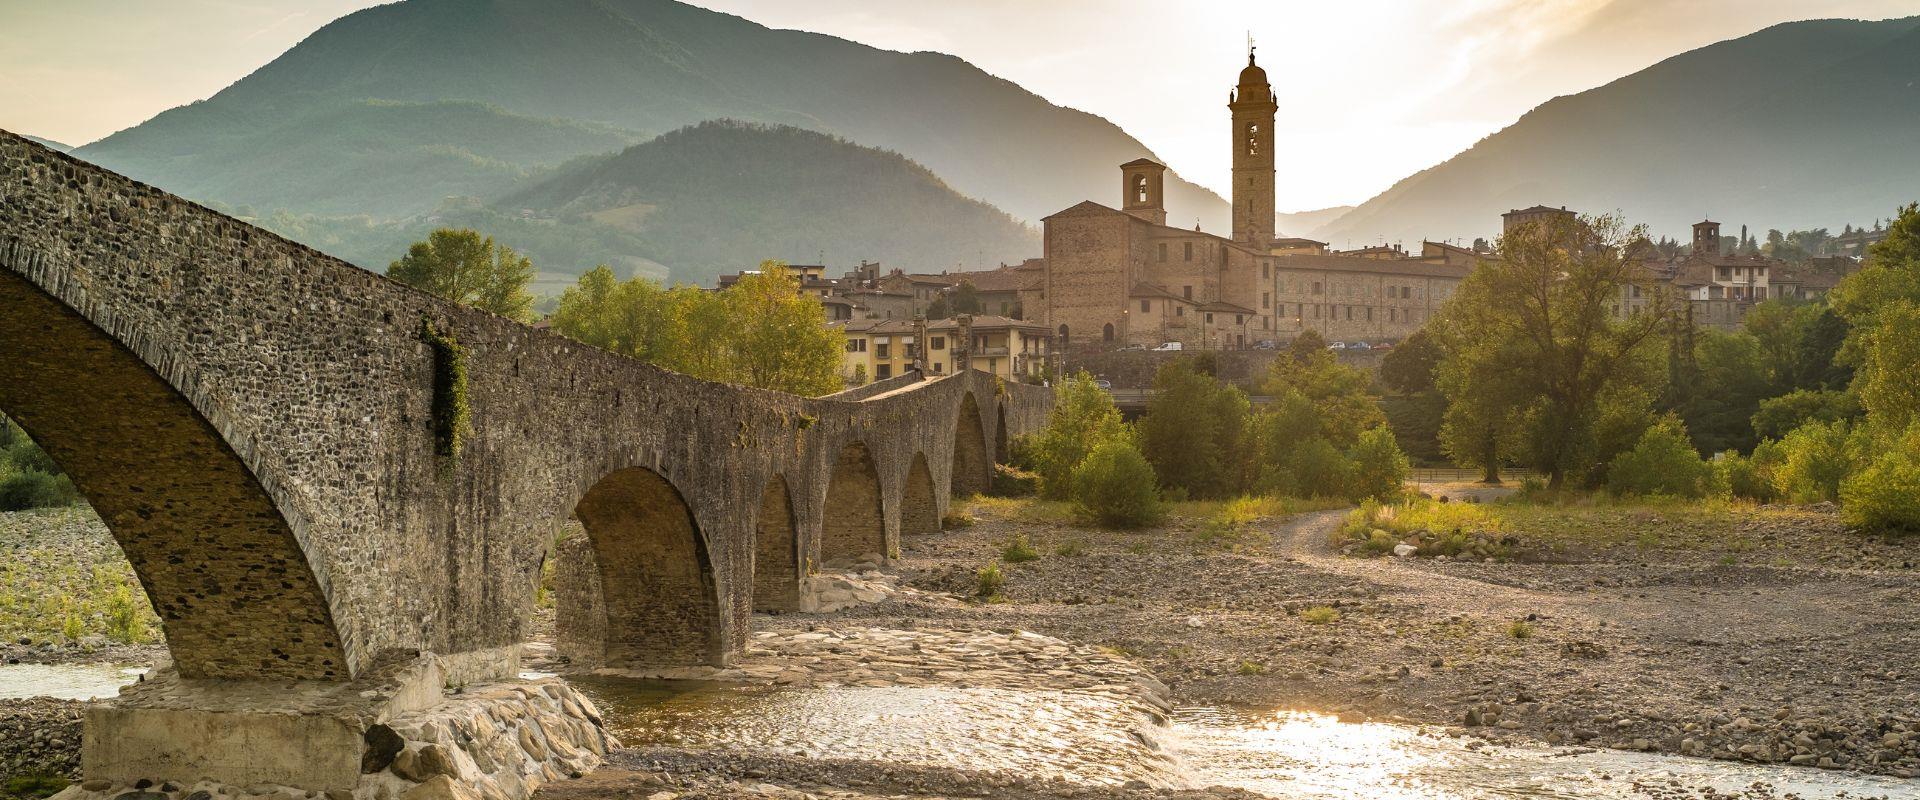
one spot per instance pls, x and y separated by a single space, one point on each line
1117 277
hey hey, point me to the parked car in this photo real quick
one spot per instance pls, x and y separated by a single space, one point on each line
1133 348
1167 347
1103 383
1265 344
1336 345
1383 346
1359 346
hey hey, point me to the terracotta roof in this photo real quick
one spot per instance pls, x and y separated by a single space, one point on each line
1537 210
1004 279
985 322
1150 290
1296 240
1143 162
1351 264
1222 305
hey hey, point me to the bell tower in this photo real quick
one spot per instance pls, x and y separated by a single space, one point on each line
1706 238
1253 111
1143 190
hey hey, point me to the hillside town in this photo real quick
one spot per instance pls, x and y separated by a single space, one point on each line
1120 278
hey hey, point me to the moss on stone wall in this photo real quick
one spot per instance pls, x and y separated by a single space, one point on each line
452 418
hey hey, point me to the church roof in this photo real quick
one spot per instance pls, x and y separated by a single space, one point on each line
1409 267
1253 75
1143 162
1537 210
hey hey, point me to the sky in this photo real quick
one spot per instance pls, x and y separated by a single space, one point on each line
1371 91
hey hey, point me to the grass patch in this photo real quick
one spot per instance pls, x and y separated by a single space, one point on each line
955 520
1233 524
1251 668
988 582
1320 615
1520 629
1019 550
35 785
1433 528
63 580
1021 509
1070 548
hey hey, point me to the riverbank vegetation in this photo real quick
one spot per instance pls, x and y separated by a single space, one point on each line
64 582
28 476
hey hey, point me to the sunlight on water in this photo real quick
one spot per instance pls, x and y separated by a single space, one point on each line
1317 757
66 681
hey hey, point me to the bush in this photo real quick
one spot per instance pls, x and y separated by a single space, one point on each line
1815 458
1663 462
1520 629
27 489
1019 550
1013 482
956 519
1379 469
1115 487
1319 469
989 581
1743 478
1083 416
1886 495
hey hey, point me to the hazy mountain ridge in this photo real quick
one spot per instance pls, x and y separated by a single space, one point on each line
708 200
625 66
1803 124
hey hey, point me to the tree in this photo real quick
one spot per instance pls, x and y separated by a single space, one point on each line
1778 416
1114 486
1379 468
1411 367
966 298
1083 416
1416 415
1194 432
1530 337
1882 303
1663 462
466 268
1720 389
760 332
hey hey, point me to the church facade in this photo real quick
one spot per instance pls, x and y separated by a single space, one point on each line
1116 277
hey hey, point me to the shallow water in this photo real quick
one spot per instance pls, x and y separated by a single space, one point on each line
1316 757
66 681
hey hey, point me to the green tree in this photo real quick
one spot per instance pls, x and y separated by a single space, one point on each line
1379 468
1663 462
1815 458
1779 416
1531 335
466 268
1194 432
1886 495
1083 416
1720 389
1413 367
778 338
966 298
1115 486
1882 304
1417 413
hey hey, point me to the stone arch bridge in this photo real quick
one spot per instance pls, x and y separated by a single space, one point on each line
318 473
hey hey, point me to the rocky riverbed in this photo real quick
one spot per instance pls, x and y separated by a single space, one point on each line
1801 656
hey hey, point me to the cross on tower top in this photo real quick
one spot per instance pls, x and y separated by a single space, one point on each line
1249 47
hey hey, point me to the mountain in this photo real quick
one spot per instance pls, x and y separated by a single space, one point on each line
356 117
1801 125
1301 223
711 199
49 143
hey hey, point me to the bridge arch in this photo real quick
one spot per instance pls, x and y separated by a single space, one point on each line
971 470
220 556
919 512
660 599
853 524
776 551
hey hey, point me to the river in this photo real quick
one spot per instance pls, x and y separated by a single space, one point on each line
1090 738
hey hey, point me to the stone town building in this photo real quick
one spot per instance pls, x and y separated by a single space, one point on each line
1009 348
1117 277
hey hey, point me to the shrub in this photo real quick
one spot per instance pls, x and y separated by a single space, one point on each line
1251 668
1520 629
124 621
1319 615
1742 477
1070 548
1663 462
1115 487
988 582
1815 458
1886 495
1013 482
1319 469
1379 469
26 489
1083 416
1019 550
954 520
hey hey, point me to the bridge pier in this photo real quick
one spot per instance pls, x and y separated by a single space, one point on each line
412 729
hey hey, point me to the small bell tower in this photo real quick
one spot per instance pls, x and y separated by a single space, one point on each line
1143 190
1253 110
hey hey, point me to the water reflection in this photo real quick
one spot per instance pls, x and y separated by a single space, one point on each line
66 681
1078 736
1317 757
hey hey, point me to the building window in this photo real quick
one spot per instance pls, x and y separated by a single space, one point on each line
1188 246
1209 318
939 367
939 342
1266 271
1266 300
1140 189
1316 287
1316 310
1179 311
883 371
1239 319
882 350
1107 332
1369 313
1146 305
1187 291
1349 313
1253 141
1163 252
